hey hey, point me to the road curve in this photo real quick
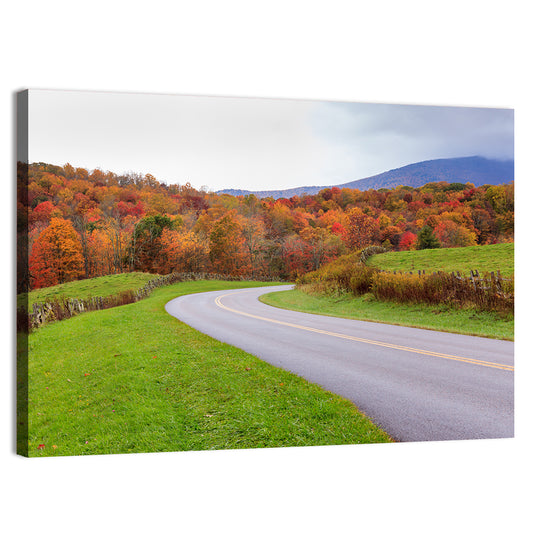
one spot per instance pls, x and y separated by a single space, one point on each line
418 385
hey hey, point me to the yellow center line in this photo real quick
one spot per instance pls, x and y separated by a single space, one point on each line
367 341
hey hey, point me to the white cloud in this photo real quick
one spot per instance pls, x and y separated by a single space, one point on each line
253 143
217 142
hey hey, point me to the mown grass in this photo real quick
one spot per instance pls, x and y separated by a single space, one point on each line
489 258
87 288
366 307
135 379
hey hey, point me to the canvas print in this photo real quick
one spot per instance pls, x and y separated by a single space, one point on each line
207 273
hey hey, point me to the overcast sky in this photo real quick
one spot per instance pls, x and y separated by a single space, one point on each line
252 143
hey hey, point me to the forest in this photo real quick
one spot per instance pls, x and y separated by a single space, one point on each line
76 224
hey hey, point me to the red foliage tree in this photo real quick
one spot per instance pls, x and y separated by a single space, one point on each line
408 241
338 229
129 209
42 212
297 256
362 230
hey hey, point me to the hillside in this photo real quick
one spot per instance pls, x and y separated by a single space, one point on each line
490 258
476 170
82 225
88 288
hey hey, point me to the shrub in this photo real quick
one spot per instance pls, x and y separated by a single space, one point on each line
361 279
348 275
487 293
345 274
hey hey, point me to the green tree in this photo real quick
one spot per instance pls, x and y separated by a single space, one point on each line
426 239
146 244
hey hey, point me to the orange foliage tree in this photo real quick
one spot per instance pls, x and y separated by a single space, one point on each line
100 252
227 247
56 256
183 251
452 235
362 229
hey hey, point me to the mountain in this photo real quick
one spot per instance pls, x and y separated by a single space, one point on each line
475 169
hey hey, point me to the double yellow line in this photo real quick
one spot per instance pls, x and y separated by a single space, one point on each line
367 341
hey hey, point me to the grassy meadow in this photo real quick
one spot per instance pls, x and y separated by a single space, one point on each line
367 307
87 288
135 379
489 258
314 297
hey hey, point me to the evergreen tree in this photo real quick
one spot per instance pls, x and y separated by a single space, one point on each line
146 242
426 239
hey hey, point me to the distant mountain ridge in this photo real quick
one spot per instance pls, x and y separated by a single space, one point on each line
475 169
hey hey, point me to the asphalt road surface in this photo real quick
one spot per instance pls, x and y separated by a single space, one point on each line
418 385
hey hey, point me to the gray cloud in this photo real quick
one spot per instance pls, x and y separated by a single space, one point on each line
371 138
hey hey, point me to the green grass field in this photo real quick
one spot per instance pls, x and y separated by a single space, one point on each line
490 258
437 317
84 289
135 379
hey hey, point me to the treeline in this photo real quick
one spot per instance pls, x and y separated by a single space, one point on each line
80 224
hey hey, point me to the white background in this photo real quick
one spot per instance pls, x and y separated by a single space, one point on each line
454 53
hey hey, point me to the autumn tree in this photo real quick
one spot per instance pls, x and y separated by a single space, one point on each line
227 246
42 213
253 231
56 256
278 221
484 225
101 256
183 251
80 221
407 241
391 234
453 235
501 198
297 258
323 246
362 230
159 204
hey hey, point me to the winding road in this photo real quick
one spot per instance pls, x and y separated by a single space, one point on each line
418 385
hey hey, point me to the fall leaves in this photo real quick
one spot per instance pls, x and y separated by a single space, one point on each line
87 224
56 255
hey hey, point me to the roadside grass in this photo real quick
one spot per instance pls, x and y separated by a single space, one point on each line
487 258
366 307
87 288
135 379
